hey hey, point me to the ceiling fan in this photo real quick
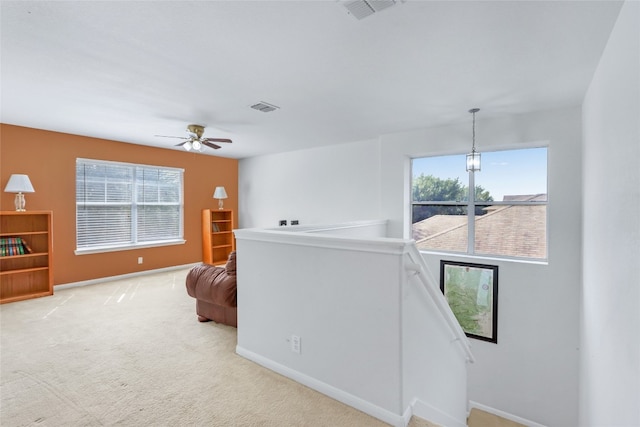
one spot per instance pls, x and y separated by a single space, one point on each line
195 140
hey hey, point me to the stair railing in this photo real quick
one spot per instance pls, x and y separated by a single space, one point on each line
419 267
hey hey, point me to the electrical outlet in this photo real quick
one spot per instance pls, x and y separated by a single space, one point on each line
283 222
139 260
295 344
295 222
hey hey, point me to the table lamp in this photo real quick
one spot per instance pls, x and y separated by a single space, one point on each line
220 194
19 183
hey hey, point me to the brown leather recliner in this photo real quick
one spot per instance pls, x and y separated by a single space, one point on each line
214 289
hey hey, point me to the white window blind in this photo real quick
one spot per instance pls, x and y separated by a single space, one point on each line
120 205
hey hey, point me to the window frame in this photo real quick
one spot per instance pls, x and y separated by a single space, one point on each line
134 203
471 205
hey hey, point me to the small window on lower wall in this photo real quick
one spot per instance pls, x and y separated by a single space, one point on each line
123 205
505 217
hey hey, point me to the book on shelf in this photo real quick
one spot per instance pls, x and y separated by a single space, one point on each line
215 227
10 246
27 248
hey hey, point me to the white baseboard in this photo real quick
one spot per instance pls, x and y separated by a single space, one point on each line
326 389
408 413
122 276
503 414
434 415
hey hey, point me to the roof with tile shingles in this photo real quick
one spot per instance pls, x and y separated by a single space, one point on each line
508 230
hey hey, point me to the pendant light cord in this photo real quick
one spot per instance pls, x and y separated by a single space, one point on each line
473 145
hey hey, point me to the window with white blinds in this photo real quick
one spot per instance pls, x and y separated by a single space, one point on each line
122 205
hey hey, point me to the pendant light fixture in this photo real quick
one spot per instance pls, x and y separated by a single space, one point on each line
473 158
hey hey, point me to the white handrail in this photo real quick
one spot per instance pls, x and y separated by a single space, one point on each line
420 268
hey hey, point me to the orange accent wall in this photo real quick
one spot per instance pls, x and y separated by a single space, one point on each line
49 160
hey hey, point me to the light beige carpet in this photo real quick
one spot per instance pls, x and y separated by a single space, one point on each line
132 353
478 418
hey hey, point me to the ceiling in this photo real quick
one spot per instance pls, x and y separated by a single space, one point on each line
128 71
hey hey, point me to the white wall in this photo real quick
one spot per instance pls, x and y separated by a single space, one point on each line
430 375
533 370
538 304
347 319
363 325
610 325
315 186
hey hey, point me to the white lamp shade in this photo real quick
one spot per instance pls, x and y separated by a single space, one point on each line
220 193
19 183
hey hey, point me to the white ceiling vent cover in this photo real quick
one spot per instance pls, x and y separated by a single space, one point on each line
264 107
363 8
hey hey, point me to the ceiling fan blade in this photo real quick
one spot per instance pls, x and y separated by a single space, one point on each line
167 136
181 144
210 144
216 140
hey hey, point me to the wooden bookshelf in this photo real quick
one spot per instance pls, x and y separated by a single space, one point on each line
28 274
217 235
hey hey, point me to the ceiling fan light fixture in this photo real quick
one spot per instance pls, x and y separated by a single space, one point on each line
195 131
195 141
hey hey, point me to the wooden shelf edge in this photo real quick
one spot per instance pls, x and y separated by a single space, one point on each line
22 270
23 233
37 254
25 297
25 212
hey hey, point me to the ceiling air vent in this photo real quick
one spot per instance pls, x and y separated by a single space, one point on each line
363 8
264 107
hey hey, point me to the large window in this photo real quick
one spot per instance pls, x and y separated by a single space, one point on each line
122 205
506 215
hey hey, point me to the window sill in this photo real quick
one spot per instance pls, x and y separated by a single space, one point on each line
103 249
485 257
